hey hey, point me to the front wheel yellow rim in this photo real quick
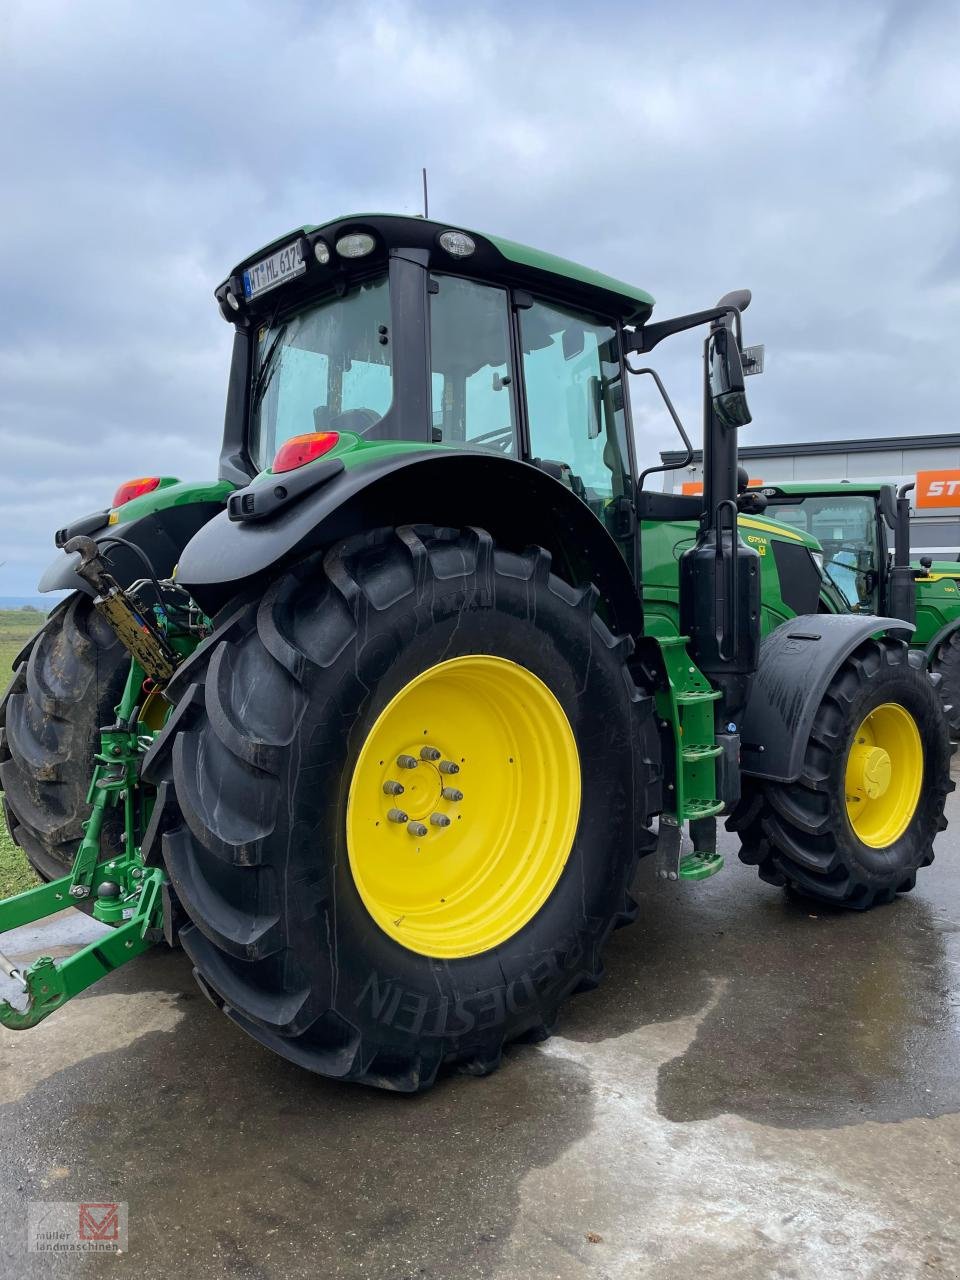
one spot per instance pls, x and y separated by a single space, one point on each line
884 775
463 806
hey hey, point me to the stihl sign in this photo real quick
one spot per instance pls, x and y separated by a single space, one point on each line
938 489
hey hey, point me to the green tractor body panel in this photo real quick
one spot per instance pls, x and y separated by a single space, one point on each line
172 493
938 601
353 451
664 541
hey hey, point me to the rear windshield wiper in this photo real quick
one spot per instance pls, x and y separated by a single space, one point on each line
268 366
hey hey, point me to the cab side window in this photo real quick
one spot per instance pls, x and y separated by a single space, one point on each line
575 409
471 381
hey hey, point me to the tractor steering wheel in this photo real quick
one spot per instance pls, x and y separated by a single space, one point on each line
359 421
501 438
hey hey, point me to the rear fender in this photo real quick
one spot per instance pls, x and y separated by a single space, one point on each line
161 535
797 662
516 502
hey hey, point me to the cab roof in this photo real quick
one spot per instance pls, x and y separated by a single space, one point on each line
495 258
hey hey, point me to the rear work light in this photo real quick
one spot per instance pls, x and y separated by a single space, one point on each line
131 489
299 450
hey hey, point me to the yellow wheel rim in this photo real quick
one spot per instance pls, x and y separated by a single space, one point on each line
884 775
469 850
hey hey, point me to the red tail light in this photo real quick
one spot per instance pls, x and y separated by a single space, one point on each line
131 489
299 450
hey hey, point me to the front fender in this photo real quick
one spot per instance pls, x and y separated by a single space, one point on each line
515 501
797 662
938 637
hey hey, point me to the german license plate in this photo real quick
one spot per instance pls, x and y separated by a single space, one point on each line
283 265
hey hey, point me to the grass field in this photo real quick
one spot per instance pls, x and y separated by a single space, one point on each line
16 628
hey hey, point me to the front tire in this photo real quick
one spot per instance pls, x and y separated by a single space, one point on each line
364 941
861 819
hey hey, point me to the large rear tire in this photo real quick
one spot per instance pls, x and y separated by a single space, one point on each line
946 663
371 942
860 821
66 684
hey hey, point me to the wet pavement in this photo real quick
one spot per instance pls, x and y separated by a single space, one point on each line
758 1089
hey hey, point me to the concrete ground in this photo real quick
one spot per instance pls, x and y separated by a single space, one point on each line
758 1089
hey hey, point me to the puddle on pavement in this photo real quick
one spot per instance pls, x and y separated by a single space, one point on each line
229 1154
826 1018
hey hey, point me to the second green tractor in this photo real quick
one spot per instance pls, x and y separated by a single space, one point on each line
864 530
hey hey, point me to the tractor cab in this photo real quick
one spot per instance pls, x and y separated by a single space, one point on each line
378 330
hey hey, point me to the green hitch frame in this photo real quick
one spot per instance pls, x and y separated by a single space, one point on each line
128 895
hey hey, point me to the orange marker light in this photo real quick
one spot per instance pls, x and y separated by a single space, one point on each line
131 489
299 450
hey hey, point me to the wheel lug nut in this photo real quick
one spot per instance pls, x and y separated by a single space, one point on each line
452 793
416 828
392 788
439 819
407 762
429 753
448 766
396 815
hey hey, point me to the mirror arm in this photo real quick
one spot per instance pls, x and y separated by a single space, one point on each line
650 335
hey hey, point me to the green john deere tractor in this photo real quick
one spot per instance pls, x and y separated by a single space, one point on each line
374 725
854 522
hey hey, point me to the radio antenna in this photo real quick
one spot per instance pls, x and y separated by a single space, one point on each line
426 206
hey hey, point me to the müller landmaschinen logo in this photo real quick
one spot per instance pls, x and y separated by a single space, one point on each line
99 1222
70 1226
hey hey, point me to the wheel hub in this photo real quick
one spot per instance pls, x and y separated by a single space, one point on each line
463 806
869 770
884 775
420 784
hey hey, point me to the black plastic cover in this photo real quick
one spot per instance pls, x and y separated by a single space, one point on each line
263 500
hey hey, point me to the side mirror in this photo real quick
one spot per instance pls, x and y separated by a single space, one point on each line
751 504
726 379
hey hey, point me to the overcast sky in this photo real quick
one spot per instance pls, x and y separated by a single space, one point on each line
810 152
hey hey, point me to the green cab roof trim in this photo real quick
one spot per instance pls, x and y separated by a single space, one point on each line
548 262
633 304
824 487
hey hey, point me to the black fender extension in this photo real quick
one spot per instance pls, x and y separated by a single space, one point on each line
797 662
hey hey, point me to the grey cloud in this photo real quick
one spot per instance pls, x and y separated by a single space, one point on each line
809 152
